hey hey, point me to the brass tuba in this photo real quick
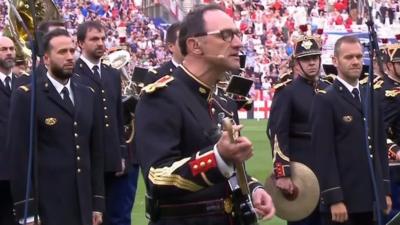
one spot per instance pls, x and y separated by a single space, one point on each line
119 60
45 10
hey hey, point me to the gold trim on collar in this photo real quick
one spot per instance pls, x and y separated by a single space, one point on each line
195 78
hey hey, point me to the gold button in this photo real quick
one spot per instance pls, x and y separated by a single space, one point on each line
105 108
76 135
78 147
370 146
195 167
79 170
78 158
202 164
106 117
369 138
107 125
102 91
104 99
75 123
209 161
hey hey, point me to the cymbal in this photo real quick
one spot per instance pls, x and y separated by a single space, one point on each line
305 198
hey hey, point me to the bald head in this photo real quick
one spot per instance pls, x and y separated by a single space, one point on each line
7 54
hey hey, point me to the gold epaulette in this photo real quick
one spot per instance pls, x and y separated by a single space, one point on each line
320 91
153 71
378 83
392 93
90 88
330 78
160 83
285 76
280 85
364 80
24 88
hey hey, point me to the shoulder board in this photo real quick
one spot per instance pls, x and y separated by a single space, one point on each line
160 83
285 75
280 85
24 88
364 80
91 89
378 84
24 73
392 93
320 91
152 70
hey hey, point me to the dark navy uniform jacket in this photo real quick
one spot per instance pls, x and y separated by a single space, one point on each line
108 93
165 69
69 155
175 137
339 143
289 124
5 101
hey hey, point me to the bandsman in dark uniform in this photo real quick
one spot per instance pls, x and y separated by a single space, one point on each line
390 99
69 156
186 162
8 83
289 125
339 144
168 67
106 82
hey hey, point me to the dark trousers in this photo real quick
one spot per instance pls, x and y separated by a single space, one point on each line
6 204
354 219
313 219
120 196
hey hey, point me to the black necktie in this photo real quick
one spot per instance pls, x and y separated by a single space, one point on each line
66 98
356 94
8 83
96 71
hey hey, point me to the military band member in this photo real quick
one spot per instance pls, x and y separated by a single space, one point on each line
173 46
69 157
339 143
106 81
290 133
185 162
7 85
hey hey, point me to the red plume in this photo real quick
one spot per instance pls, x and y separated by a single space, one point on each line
303 28
384 40
397 37
320 31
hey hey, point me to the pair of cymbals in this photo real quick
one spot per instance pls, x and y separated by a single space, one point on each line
302 202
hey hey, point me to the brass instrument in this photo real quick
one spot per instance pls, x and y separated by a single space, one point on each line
119 59
45 10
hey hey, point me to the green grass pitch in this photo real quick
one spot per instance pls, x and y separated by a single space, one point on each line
259 166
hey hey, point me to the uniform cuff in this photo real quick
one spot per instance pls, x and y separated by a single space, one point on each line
226 169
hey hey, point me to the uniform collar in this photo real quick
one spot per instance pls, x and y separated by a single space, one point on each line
59 87
90 64
195 84
348 86
3 77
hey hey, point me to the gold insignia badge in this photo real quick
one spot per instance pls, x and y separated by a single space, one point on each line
228 205
306 44
160 83
347 119
202 90
392 93
50 121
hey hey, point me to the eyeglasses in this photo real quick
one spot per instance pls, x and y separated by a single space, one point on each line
226 34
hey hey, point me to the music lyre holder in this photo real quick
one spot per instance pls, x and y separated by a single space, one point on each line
32 123
371 111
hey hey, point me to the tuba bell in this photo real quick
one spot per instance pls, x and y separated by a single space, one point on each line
45 10
119 59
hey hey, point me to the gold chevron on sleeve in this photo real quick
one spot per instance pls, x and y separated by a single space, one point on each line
277 151
164 176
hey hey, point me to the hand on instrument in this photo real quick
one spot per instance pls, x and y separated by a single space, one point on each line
388 204
285 184
263 204
238 151
97 218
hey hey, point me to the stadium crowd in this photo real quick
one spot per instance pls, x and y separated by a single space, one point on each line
268 28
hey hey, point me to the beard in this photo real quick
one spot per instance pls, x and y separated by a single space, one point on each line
97 53
7 63
60 72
